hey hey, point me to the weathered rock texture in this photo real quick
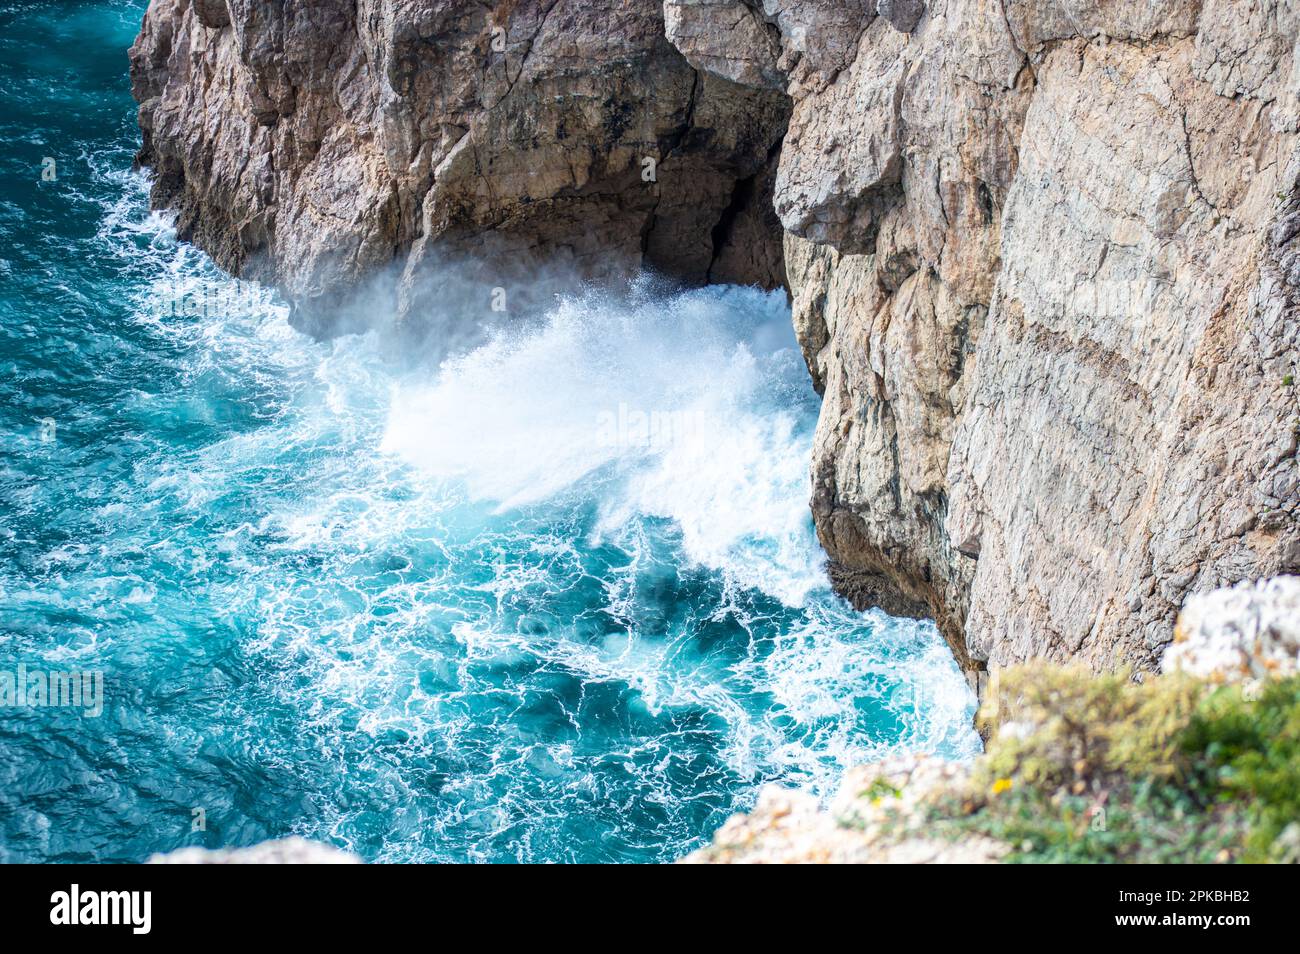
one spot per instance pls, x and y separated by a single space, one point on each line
791 827
1045 270
315 143
1043 253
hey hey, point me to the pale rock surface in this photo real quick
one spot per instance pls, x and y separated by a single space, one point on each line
729 38
903 15
284 851
1249 631
878 817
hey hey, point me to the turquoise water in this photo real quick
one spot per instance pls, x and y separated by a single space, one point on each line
558 599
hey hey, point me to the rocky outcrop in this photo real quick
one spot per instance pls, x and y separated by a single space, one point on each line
860 826
316 145
1043 254
1249 631
284 851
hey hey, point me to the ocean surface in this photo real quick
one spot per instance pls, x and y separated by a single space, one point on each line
555 599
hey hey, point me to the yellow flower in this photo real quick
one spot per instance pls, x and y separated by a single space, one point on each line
1001 785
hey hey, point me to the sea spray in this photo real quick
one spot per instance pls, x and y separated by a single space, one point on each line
425 610
694 408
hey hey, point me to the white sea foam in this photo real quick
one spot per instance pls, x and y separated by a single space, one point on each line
447 553
669 409
546 416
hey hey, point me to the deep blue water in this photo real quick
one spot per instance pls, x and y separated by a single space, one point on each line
558 599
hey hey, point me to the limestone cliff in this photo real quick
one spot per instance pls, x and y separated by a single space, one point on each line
312 144
1043 253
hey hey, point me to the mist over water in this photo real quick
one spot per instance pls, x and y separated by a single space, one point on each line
556 598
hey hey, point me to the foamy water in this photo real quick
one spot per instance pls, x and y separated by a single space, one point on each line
558 598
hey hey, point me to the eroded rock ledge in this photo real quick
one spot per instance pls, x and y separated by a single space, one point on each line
317 144
1042 253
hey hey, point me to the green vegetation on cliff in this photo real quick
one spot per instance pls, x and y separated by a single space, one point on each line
1100 769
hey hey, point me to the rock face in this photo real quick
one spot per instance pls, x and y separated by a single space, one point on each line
315 144
1044 264
1043 254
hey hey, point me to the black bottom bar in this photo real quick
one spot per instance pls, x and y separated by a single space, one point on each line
213 903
